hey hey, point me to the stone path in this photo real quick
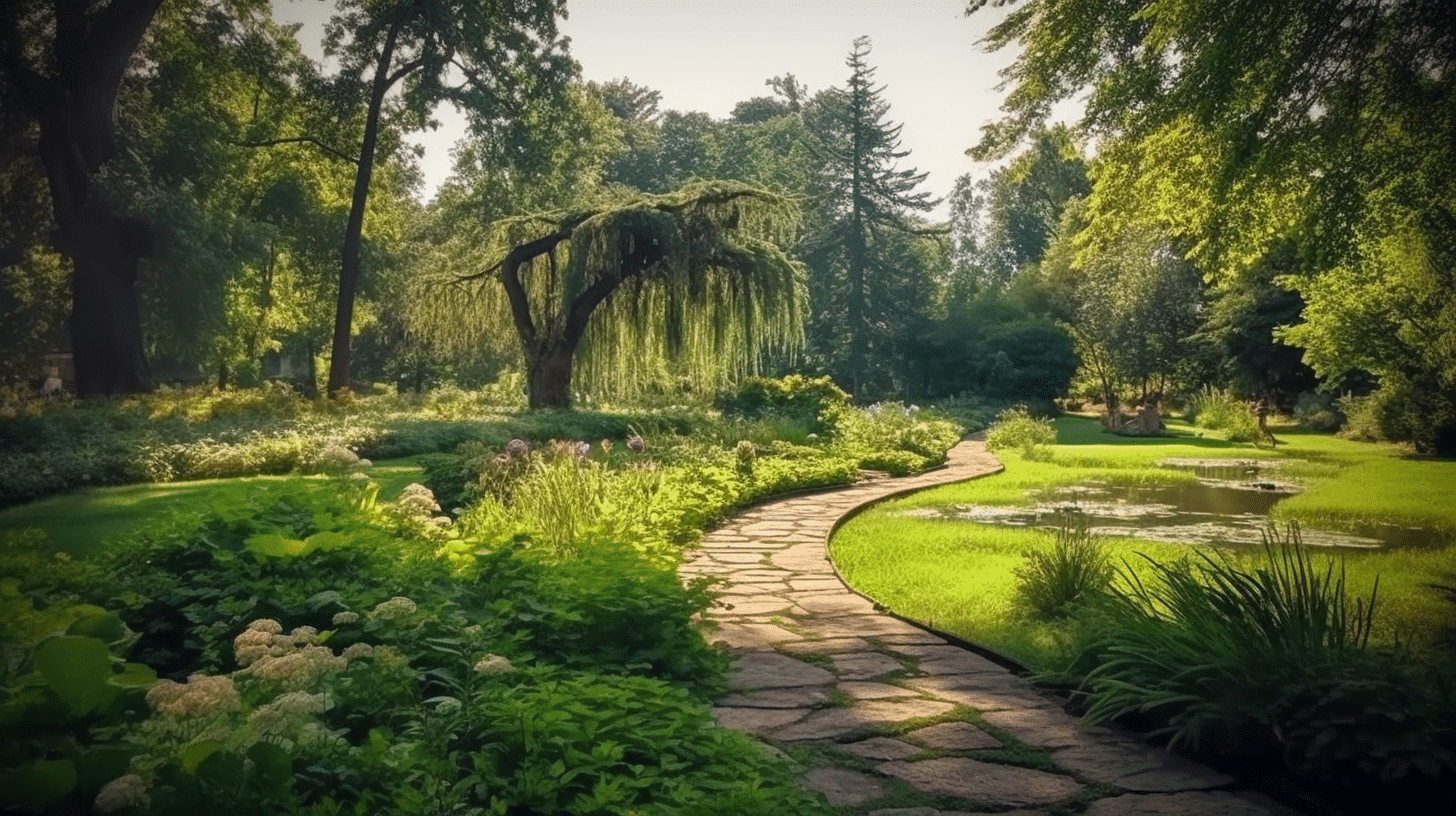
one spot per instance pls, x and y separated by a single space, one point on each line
899 721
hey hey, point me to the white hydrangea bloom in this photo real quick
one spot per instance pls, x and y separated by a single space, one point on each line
493 664
128 791
396 607
202 696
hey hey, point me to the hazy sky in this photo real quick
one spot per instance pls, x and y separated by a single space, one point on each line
708 55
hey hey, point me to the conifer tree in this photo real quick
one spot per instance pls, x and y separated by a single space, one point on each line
861 287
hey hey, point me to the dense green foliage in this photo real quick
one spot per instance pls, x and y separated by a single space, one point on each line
320 648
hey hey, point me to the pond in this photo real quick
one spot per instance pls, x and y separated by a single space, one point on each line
1229 505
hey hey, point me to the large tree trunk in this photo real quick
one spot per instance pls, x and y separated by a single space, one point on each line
340 356
105 323
73 100
548 376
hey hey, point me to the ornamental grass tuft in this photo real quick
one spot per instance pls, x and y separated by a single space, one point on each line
1053 583
1266 661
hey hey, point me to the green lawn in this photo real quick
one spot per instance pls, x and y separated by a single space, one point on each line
77 522
960 577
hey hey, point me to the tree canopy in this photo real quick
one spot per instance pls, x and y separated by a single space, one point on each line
1329 131
696 282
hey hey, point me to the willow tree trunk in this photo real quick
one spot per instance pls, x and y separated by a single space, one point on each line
548 375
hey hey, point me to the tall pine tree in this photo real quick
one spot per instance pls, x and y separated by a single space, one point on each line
863 290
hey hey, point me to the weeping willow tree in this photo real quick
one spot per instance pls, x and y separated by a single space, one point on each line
695 281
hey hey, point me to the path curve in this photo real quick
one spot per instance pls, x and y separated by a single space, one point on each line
896 711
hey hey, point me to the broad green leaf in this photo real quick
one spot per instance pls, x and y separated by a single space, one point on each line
272 764
41 783
276 546
106 627
133 675
195 754
326 540
78 669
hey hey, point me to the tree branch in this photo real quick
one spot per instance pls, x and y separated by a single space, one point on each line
329 151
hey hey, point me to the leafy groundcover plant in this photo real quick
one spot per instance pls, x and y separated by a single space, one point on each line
322 653
1269 662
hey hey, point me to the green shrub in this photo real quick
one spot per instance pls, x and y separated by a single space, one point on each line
895 463
1220 410
1266 662
189 585
1055 582
607 609
1317 412
1362 418
1016 428
798 396
1422 414
587 744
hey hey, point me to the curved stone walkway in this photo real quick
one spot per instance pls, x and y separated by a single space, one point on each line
899 721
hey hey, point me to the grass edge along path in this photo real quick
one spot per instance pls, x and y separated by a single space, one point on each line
887 715
960 578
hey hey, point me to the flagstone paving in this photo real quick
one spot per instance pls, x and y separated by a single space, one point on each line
898 713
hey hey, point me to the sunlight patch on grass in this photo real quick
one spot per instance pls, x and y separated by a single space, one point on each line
77 522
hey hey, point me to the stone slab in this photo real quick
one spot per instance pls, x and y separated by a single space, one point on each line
963 663
843 787
921 637
864 665
735 557
830 646
757 605
837 605
858 626
804 697
861 690
880 748
955 736
1191 803
989 692
1042 727
763 670
756 720
1138 769
749 635
982 781
832 723
811 584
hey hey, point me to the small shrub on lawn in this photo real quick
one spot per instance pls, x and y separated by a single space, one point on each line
1219 410
1016 428
1054 582
1317 412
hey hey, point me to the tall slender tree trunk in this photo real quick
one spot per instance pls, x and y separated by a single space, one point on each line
353 232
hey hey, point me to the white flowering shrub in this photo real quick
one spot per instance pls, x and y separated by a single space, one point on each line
335 458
